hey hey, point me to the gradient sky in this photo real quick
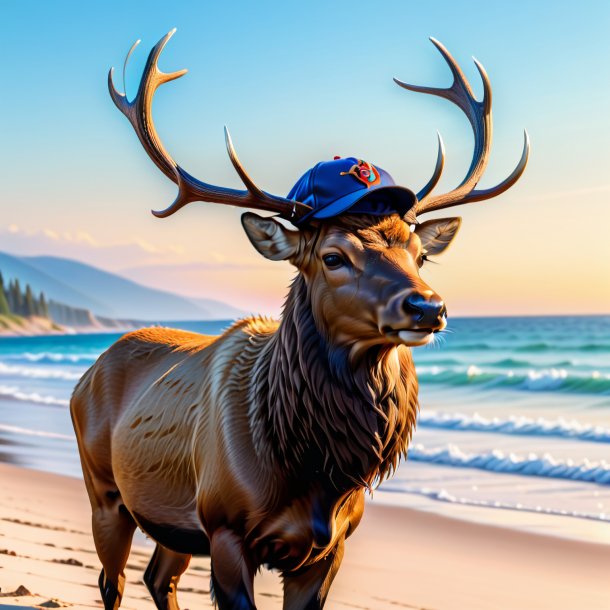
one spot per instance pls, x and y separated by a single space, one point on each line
298 83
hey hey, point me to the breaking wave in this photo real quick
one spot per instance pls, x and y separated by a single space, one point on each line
39 433
511 463
38 372
443 495
533 348
54 358
515 425
17 394
533 380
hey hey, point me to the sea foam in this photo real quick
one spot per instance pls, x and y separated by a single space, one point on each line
515 425
16 394
53 358
511 463
40 433
39 372
528 348
442 495
533 380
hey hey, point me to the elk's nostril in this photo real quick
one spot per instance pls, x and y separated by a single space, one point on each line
424 309
413 306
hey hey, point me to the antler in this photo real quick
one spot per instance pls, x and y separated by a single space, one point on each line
479 115
139 113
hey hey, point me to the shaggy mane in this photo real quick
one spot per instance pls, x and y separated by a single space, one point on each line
313 414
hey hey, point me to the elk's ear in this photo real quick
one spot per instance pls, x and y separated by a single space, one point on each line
436 235
272 239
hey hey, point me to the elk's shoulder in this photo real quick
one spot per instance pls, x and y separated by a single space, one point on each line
147 340
256 325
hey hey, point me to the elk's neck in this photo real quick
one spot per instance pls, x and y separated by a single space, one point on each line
322 416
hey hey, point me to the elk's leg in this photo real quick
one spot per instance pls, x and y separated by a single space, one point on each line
232 576
307 588
113 529
162 576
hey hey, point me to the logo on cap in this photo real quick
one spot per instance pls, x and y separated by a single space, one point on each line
364 172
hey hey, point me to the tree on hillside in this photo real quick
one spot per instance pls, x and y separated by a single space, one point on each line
5 310
43 306
16 297
14 301
9 296
29 304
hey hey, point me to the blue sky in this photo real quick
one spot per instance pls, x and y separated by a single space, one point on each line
298 83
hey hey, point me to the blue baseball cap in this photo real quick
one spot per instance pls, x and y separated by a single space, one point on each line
350 185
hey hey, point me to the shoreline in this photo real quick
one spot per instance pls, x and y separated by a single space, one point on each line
398 557
41 327
18 326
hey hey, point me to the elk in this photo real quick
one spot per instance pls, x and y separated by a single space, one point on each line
256 447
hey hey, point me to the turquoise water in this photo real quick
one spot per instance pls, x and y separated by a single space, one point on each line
514 424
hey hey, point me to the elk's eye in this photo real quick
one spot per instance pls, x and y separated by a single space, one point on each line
333 261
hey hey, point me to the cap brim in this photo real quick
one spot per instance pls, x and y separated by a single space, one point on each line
399 199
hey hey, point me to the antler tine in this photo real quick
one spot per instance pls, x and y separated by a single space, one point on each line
138 110
438 170
479 114
190 189
459 85
245 178
482 194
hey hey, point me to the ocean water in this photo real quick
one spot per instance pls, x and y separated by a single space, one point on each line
514 428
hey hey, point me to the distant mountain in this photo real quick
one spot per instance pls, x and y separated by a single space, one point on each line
107 294
14 267
23 312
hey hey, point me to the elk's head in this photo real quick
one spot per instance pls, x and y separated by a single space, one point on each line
361 258
363 274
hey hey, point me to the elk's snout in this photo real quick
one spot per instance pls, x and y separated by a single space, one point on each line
427 310
411 317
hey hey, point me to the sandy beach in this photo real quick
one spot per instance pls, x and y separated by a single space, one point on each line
398 558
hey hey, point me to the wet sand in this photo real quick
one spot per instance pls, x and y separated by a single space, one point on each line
398 558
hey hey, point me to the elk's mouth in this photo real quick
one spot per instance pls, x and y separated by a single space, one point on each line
409 336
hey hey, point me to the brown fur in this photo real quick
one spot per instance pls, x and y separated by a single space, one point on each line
255 446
